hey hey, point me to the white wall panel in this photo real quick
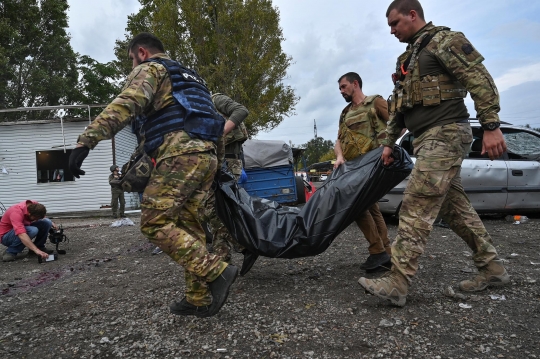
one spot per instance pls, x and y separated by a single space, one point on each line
125 143
18 146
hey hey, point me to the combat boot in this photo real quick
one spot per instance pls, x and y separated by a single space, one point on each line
392 286
220 288
494 274
183 307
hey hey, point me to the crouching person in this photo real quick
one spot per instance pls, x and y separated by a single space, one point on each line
171 111
24 225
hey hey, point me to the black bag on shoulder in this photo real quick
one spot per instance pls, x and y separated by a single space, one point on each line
136 172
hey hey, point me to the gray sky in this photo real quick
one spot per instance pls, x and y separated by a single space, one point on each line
329 38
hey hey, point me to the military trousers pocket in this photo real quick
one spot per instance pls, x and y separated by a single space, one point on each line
431 183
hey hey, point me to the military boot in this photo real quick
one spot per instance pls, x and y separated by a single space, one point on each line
392 286
494 274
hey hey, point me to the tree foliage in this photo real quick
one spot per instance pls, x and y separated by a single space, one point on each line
316 149
98 83
235 45
328 156
37 64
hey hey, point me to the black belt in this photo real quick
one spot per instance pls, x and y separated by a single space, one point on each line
231 155
463 121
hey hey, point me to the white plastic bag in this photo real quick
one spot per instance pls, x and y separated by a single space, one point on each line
123 222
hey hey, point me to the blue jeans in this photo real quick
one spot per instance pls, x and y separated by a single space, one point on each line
38 229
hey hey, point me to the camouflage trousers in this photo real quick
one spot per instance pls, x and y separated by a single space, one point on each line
372 225
171 209
222 239
435 188
117 195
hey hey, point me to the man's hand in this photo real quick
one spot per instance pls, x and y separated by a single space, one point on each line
386 156
493 144
76 159
339 161
42 254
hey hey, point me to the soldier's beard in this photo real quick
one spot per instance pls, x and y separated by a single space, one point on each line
348 98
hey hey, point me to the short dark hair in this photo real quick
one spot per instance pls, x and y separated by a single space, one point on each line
146 40
37 210
351 76
403 7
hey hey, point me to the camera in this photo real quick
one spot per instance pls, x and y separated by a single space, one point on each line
57 236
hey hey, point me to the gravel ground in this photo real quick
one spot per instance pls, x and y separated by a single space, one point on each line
108 297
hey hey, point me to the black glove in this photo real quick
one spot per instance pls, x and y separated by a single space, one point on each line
76 159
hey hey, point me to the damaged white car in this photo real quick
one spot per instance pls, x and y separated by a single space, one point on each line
510 184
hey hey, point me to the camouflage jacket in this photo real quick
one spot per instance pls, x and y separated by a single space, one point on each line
148 89
463 63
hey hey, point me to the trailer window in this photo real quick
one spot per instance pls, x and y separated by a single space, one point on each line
52 166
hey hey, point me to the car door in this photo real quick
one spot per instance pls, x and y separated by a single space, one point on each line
484 181
523 168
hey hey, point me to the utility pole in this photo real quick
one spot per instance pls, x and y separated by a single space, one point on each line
315 127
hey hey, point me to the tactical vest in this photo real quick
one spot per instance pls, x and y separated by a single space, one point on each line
193 111
357 134
239 134
411 89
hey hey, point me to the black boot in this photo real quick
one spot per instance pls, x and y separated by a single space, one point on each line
183 307
375 260
220 288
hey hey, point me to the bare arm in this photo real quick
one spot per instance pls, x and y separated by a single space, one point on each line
339 154
229 126
27 241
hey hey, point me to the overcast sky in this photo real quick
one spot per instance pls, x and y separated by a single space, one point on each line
329 38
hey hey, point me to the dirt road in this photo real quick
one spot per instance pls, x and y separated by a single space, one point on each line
108 297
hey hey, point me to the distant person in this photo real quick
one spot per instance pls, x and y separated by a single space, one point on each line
432 79
20 224
117 194
234 135
173 108
362 125
58 175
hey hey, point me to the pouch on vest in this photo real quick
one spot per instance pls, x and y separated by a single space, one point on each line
136 172
354 144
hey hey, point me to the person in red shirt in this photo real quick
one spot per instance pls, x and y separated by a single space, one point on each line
19 225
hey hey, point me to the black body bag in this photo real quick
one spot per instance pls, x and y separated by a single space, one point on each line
268 229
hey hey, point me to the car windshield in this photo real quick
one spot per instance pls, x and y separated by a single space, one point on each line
524 144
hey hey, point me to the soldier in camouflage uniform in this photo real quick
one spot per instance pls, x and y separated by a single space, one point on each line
431 80
117 194
179 128
362 126
234 134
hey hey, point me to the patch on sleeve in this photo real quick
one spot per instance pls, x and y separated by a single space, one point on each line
467 49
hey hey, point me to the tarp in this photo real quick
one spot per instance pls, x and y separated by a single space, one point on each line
266 228
265 153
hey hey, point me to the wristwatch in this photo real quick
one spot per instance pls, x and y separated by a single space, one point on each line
491 126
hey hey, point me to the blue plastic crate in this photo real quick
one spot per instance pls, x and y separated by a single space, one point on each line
275 183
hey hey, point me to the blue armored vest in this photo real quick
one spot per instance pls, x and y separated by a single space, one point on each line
193 112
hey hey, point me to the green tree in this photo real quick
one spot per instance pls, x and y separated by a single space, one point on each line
235 45
98 83
328 156
37 64
316 148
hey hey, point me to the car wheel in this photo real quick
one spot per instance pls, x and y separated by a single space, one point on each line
300 190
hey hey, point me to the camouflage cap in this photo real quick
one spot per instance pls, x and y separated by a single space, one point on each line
113 167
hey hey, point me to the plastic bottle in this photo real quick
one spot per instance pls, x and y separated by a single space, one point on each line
517 219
